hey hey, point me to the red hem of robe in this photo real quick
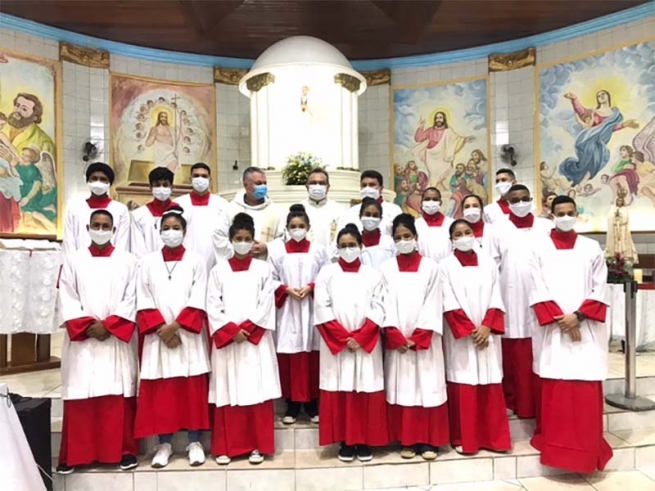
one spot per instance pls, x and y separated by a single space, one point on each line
411 425
393 338
517 376
238 430
494 319
460 325
594 310
149 320
119 327
546 312
299 375
90 430
168 405
478 418
76 328
191 319
353 418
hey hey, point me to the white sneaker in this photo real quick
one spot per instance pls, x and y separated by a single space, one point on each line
223 460
289 420
459 449
314 419
255 457
164 452
510 413
196 454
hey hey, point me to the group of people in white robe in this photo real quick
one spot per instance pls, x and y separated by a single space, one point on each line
380 327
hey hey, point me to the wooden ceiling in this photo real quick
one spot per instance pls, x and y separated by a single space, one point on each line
361 29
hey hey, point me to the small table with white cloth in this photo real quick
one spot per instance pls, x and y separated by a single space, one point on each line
645 314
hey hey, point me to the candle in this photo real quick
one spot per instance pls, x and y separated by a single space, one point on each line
639 275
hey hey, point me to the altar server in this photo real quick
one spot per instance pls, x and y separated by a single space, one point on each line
244 379
378 246
171 288
474 317
323 212
472 207
205 213
512 244
505 179
99 361
99 178
295 265
348 313
414 366
432 227
145 236
570 345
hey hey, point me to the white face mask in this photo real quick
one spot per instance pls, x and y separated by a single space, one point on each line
317 192
369 192
472 215
98 188
521 209
431 207
350 254
200 184
503 187
406 246
161 193
370 223
565 223
100 237
298 234
464 244
242 248
172 238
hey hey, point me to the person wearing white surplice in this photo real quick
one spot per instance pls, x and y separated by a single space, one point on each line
323 212
171 289
295 264
505 179
472 206
432 227
418 413
378 246
569 276
348 313
512 244
97 293
145 236
474 315
244 379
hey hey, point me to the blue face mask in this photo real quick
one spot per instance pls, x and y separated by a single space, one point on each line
260 191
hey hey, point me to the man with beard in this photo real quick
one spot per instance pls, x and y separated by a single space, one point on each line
162 139
23 126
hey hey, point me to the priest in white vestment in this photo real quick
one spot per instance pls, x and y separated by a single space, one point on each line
505 179
512 244
97 294
415 381
323 212
432 227
99 177
474 315
145 235
348 313
569 279
171 289
244 379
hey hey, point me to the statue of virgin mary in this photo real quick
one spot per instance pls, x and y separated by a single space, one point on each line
619 239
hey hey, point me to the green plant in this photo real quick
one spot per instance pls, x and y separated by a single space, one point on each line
298 168
619 269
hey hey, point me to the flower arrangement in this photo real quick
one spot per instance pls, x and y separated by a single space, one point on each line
298 168
619 269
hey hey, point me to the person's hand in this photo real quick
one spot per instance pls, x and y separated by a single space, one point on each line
402 349
567 322
242 336
570 95
304 292
98 331
575 335
631 123
410 344
293 293
23 202
421 122
481 337
5 153
173 342
353 345
469 139
258 248
167 331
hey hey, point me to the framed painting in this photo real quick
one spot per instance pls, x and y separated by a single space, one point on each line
595 134
155 123
440 139
31 173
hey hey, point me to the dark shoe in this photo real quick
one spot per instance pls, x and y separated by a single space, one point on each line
364 453
64 469
293 410
347 453
128 462
311 409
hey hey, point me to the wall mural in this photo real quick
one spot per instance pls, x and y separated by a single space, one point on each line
596 134
159 124
30 170
440 139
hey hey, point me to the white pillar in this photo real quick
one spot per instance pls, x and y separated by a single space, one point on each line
354 125
346 128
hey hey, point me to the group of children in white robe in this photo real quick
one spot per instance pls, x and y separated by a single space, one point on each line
396 339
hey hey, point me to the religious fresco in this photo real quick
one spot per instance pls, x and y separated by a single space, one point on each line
441 139
157 123
30 168
595 134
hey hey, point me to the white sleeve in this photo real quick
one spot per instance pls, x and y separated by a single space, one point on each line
126 308
70 304
137 239
375 310
322 302
122 236
69 242
430 315
220 236
144 298
264 314
215 305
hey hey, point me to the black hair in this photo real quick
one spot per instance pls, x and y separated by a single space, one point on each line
373 174
560 200
201 165
350 229
366 202
297 211
161 174
242 221
453 225
100 167
251 170
509 172
473 196
320 170
431 188
406 220
518 187
102 213
174 211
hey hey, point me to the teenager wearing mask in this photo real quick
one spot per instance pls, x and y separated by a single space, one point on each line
145 236
378 247
472 208
505 179
432 227
323 212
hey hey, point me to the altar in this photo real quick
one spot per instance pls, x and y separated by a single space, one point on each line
645 323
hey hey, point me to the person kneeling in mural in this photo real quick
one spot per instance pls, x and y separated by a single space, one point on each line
97 294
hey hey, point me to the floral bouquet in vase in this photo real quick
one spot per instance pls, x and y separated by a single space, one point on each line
619 269
298 168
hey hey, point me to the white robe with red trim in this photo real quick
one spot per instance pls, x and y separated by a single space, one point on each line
78 215
244 373
349 298
389 212
145 233
412 300
569 277
98 287
186 288
434 242
475 290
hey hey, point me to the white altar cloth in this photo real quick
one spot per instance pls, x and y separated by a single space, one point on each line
645 314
